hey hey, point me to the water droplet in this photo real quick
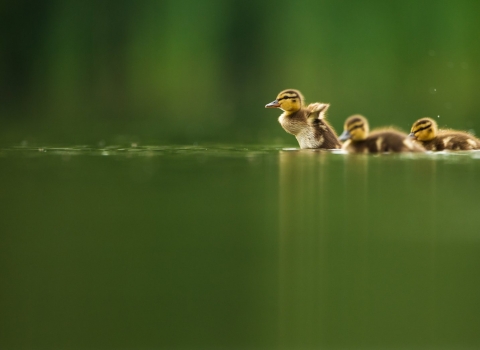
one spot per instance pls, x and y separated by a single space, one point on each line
134 144
438 116
433 90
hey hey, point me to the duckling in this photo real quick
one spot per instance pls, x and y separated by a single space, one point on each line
358 140
425 131
307 124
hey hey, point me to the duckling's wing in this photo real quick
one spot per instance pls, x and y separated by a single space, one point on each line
317 110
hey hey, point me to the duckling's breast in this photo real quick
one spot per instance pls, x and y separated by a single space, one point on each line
355 146
293 124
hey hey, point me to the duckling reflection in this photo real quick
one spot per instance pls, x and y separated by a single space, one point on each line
303 232
318 190
425 132
307 124
358 139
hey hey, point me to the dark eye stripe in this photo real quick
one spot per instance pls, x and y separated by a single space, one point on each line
356 127
286 97
423 128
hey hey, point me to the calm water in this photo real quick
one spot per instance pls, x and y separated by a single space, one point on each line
239 248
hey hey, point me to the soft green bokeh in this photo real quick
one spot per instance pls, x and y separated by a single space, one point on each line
185 71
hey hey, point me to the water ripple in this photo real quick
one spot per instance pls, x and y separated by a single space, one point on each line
211 150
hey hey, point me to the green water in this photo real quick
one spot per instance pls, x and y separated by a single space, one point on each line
238 248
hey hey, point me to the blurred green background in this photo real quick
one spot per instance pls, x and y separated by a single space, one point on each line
161 246
185 71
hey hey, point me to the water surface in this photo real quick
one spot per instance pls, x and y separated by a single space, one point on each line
207 247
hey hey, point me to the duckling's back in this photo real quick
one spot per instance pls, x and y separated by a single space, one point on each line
384 141
452 140
323 131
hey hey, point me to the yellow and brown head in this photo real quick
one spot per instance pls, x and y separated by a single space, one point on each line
355 128
424 129
288 100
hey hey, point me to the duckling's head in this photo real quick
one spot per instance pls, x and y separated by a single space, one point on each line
288 100
424 129
355 128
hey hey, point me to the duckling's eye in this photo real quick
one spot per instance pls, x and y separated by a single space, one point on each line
294 100
286 98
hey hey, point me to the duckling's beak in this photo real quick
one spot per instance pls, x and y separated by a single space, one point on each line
344 136
273 104
412 136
